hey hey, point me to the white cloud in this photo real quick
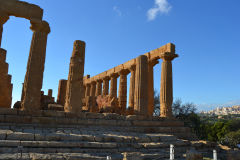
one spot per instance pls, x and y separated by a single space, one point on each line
117 10
160 6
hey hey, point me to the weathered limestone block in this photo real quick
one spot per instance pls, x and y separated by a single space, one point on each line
107 104
74 92
141 86
151 64
55 107
3 19
46 99
62 87
113 85
192 154
21 9
122 92
166 91
106 85
131 91
132 156
35 67
5 82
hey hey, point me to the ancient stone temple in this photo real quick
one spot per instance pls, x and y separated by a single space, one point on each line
91 119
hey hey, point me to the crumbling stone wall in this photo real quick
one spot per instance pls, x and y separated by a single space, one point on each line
5 82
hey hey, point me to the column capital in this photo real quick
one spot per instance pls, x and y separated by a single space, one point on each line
132 68
167 56
40 26
153 62
114 75
93 82
3 18
106 78
88 84
123 72
99 80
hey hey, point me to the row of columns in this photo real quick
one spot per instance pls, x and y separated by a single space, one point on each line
31 98
141 89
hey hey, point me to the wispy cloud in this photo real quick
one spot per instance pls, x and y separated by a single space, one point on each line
160 6
117 10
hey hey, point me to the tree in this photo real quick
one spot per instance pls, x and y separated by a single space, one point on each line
180 109
156 103
232 139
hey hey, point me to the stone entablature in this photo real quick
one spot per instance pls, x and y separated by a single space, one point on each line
21 9
152 55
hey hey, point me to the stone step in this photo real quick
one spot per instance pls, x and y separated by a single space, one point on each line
81 156
88 145
168 130
83 118
69 135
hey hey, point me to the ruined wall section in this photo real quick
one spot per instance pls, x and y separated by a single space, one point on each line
5 82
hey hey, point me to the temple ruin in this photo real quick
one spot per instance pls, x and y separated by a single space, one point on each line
141 91
90 118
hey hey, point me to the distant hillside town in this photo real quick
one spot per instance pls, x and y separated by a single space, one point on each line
223 110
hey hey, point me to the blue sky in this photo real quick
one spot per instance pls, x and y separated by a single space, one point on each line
206 34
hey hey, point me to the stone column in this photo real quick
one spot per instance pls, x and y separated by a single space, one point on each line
84 91
35 67
74 91
122 92
93 89
93 98
151 64
99 87
141 86
105 85
50 92
166 91
3 19
131 89
87 91
62 87
113 85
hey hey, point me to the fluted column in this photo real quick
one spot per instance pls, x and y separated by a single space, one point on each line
93 89
106 85
141 86
3 19
87 91
166 91
99 87
131 89
74 93
92 96
122 91
113 85
151 64
35 67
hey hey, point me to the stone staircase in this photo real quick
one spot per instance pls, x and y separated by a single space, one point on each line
48 135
